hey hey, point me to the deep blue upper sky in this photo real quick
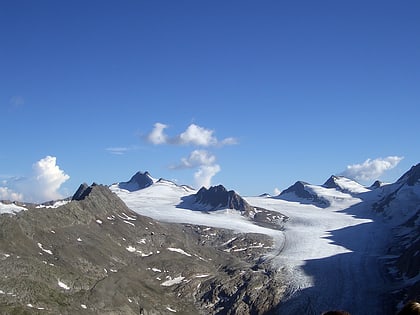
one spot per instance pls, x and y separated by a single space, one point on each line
306 88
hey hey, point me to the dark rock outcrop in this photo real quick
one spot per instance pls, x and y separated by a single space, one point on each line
299 192
377 184
138 181
218 197
81 193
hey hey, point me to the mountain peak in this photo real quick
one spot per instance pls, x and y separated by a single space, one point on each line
412 176
139 181
344 184
218 197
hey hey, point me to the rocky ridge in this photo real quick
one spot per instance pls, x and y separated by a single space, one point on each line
93 255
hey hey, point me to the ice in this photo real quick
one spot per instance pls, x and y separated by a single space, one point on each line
178 250
170 309
83 306
99 221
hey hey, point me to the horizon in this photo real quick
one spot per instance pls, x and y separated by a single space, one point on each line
255 96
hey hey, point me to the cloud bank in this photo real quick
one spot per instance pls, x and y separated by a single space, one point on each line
371 169
42 185
203 161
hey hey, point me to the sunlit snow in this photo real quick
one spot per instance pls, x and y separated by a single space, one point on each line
10 208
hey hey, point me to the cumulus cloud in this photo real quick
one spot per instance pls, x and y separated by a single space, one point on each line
42 185
371 169
206 166
193 135
203 161
197 135
204 175
8 194
195 159
157 136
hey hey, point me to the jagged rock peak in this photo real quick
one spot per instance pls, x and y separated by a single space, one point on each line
82 192
377 184
299 189
332 181
138 181
412 176
220 197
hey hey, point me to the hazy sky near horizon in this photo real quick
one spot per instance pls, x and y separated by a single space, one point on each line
251 94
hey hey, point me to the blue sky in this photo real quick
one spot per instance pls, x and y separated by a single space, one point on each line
300 89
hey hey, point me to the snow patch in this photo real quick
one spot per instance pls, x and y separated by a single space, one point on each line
63 285
44 250
171 282
131 249
178 250
10 208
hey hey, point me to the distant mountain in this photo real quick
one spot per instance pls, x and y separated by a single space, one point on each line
305 193
377 184
345 185
218 197
138 181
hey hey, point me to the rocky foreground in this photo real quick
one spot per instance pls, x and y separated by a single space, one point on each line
93 255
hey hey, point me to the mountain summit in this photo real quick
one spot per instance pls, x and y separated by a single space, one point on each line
138 181
218 197
412 176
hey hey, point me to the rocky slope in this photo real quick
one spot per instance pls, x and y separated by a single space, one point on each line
400 205
95 256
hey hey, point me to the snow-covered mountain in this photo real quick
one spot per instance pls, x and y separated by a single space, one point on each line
345 185
309 246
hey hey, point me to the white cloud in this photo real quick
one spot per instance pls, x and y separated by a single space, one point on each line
197 135
8 194
276 191
42 185
371 169
157 136
193 135
201 160
195 159
204 175
206 166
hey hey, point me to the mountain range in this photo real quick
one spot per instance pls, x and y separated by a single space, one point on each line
151 246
